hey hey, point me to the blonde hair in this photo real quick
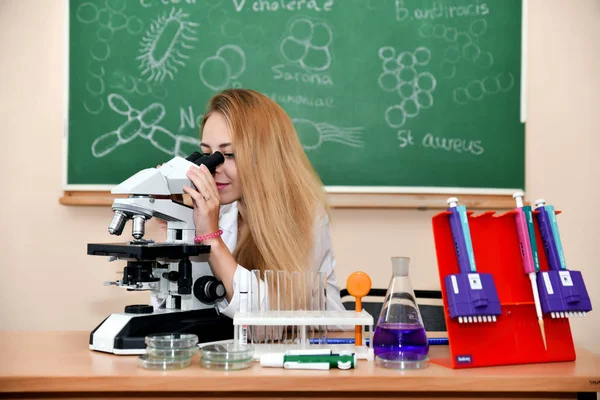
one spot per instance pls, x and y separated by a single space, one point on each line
280 189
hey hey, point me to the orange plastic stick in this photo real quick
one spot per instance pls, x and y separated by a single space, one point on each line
358 285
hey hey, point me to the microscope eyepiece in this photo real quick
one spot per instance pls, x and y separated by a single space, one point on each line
212 161
195 156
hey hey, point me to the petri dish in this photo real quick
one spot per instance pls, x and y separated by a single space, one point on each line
171 353
164 364
229 356
172 341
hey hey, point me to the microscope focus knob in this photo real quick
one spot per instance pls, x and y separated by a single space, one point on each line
172 276
208 289
139 309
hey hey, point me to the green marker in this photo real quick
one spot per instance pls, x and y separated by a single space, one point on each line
309 361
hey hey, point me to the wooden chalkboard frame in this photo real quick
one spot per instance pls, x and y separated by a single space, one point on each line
419 201
421 198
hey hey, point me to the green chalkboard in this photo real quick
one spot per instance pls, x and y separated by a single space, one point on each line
383 93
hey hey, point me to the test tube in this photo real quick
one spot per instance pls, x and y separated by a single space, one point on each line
282 288
323 302
295 300
304 306
255 302
311 301
270 301
301 292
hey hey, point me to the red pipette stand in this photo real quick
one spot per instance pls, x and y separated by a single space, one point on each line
515 337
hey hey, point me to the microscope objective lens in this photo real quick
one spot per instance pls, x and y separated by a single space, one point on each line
118 223
139 225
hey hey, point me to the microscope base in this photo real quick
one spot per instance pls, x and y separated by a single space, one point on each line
124 333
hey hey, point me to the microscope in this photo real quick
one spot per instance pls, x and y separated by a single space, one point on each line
182 288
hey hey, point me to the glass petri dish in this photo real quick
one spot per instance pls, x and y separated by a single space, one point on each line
171 353
164 364
403 363
172 341
228 356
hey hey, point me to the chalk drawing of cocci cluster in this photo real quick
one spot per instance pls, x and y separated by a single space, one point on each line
400 75
164 46
313 134
220 71
130 84
95 86
215 15
461 44
306 43
251 35
477 89
110 18
142 124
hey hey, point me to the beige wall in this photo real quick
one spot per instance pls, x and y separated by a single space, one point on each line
48 281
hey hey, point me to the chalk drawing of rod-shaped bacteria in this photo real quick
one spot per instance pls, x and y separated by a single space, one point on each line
186 145
162 139
137 123
164 45
174 145
312 134
219 71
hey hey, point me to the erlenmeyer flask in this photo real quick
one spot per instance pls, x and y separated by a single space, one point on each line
400 340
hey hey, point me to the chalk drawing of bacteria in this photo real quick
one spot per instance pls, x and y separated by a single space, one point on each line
307 44
313 134
478 88
164 46
401 73
171 144
136 124
220 71
186 145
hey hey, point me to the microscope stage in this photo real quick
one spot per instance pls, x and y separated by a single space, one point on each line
147 251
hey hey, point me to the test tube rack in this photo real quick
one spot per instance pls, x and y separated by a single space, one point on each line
515 337
302 321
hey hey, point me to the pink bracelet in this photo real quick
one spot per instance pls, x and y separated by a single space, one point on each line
200 239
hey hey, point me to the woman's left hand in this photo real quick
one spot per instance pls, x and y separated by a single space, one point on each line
206 200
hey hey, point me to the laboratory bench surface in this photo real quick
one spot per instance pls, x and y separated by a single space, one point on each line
40 364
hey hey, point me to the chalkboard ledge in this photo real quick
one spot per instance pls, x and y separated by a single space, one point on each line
420 201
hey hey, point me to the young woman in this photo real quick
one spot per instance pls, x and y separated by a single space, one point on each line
265 207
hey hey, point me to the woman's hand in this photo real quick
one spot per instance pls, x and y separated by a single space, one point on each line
205 198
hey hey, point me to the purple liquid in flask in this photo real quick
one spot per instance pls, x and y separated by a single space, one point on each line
400 340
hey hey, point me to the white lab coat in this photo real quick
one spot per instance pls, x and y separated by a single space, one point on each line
322 260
